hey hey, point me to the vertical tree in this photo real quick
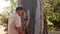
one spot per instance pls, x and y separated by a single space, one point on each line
36 16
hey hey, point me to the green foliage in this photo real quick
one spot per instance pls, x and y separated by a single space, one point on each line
4 18
52 11
13 5
5 14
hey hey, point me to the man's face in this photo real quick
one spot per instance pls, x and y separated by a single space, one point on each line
20 12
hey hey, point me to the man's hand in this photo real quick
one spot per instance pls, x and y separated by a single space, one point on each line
20 30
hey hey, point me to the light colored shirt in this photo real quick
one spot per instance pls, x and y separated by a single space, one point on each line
13 23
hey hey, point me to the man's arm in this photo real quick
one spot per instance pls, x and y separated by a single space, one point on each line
18 25
20 30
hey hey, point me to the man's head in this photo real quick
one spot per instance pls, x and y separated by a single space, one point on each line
19 11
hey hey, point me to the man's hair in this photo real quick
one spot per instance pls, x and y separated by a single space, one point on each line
19 8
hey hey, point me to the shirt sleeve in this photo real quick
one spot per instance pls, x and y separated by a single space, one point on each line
11 19
18 22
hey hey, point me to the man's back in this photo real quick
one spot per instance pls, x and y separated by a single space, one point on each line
14 22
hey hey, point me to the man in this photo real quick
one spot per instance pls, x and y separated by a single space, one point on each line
14 24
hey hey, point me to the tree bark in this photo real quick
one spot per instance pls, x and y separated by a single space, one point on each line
37 23
43 19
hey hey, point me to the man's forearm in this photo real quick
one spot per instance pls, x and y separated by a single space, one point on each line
20 30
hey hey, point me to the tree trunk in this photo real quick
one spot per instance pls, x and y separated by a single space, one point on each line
43 19
37 22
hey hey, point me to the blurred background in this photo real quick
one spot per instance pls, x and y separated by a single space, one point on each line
51 11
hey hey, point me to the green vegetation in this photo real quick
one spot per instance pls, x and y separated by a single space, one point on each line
5 14
52 11
4 17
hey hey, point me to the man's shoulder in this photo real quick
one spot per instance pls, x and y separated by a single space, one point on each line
12 14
